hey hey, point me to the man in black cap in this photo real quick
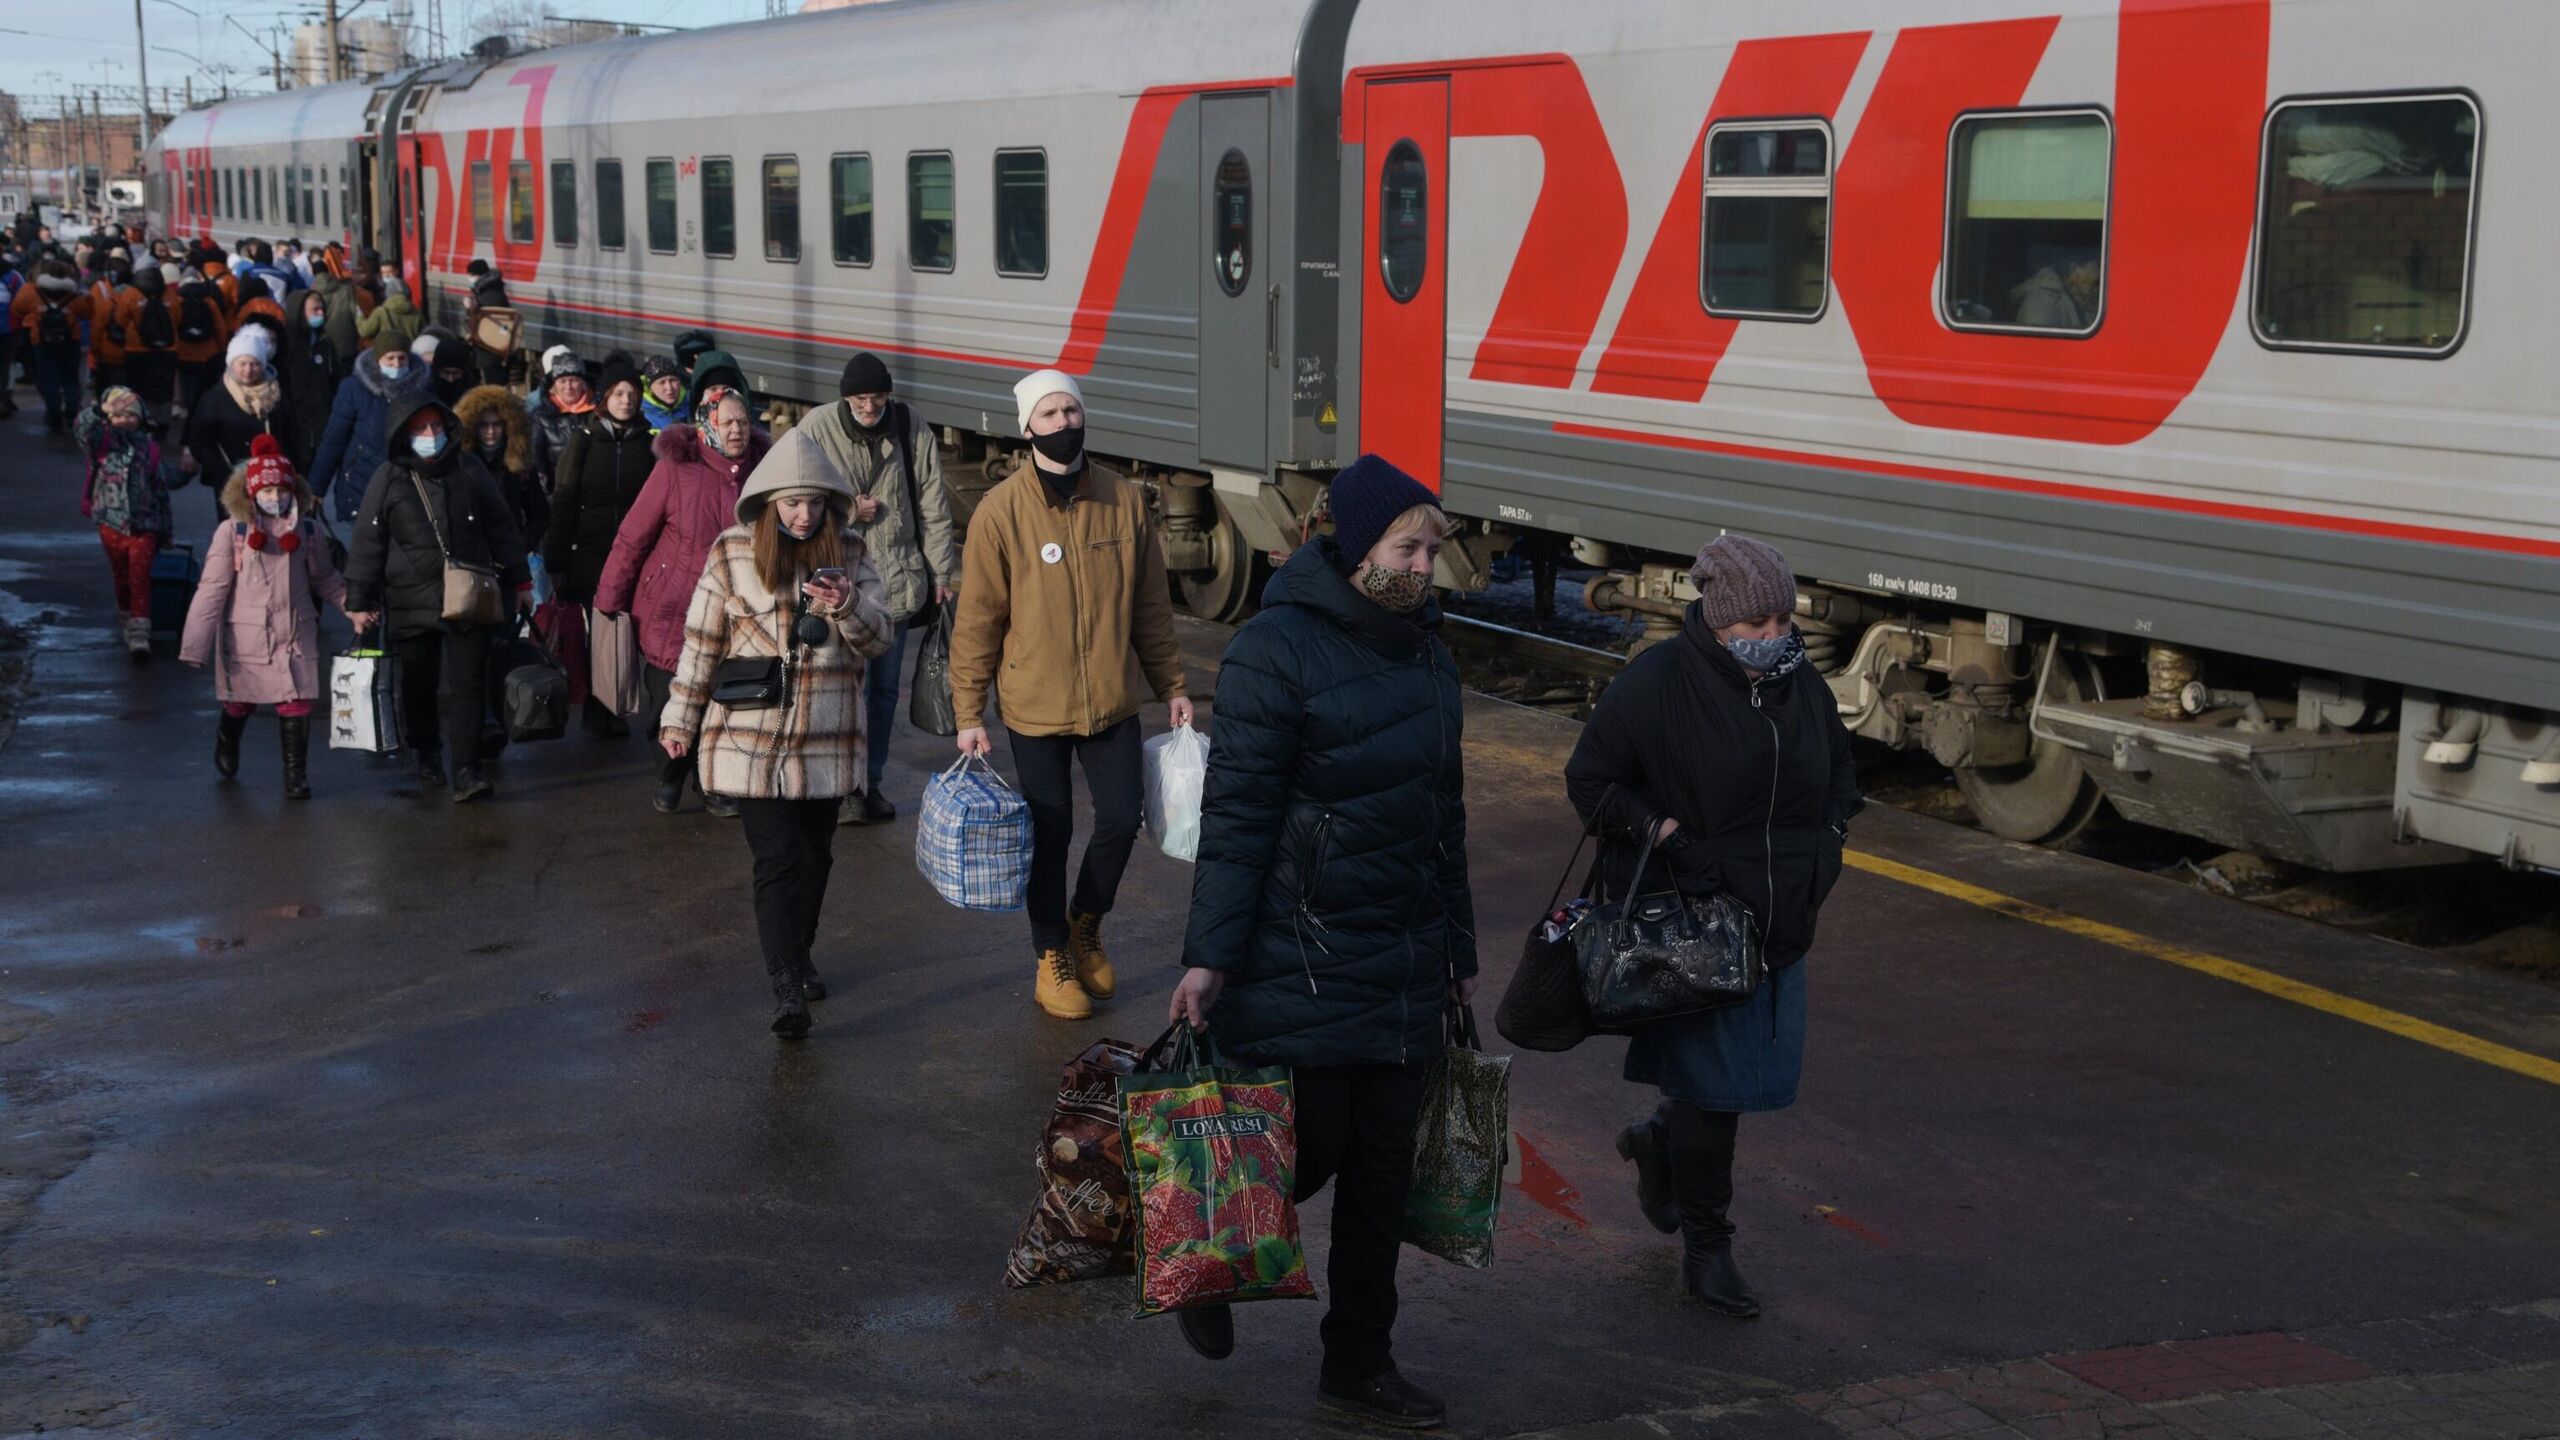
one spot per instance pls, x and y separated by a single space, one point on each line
691 346
902 508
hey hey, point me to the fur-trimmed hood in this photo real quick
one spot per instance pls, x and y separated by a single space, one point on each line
235 496
481 402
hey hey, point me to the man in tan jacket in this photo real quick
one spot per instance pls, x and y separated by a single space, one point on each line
1065 611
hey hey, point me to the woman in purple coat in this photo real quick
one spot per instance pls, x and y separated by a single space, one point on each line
658 553
256 615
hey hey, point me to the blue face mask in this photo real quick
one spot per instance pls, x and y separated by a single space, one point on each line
427 446
1765 655
315 321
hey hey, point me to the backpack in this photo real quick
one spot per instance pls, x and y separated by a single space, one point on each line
196 319
158 331
102 301
53 325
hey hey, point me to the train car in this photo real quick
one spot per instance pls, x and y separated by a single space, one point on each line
294 164
2114 371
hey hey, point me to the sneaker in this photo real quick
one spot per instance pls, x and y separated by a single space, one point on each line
1055 989
1093 966
137 639
1386 1397
469 784
431 769
1210 1329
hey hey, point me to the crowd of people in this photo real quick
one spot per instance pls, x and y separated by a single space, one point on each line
748 596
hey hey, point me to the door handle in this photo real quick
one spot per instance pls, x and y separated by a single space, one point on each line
1271 327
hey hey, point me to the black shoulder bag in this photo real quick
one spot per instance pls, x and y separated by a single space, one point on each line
1543 1006
1650 957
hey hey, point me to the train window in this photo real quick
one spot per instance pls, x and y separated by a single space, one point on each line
609 212
849 185
782 208
1768 221
931 239
2364 231
346 199
1231 223
257 198
484 203
719 207
520 202
564 204
226 192
660 178
2026 243
1022 213
275 196
310 197
1404 221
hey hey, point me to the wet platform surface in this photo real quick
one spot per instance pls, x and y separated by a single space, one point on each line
377 1116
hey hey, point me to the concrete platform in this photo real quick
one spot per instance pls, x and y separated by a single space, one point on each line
375 1116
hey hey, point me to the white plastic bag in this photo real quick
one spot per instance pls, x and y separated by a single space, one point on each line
1177 769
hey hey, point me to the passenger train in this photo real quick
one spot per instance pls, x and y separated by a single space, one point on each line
2149 392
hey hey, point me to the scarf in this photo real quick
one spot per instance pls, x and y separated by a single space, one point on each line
258 400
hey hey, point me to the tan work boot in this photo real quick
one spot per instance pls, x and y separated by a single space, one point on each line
1055 988
1093 967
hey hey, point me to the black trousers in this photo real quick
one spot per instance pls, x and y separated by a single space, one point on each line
1355 1129
1111 776
793 842
654 686
8 371
444 677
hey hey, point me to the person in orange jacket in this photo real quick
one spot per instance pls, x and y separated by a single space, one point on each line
106 332
148 314
204 328
49 313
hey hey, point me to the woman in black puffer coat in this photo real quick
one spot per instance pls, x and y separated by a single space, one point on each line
430 498
601 473
1728 745
1331 923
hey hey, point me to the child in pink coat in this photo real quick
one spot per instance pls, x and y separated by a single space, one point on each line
256 616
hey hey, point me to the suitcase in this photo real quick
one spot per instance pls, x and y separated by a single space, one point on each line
173 587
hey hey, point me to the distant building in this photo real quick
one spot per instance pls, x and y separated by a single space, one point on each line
368 50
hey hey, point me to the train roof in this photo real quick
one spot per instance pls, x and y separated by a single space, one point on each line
313 113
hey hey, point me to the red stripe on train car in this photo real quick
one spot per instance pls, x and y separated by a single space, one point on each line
2055 489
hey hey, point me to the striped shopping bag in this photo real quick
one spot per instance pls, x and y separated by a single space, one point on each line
973 840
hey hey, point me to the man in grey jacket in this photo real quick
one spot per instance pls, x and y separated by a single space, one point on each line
902 509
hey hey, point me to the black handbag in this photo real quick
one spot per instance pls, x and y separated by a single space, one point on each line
1653 956
533 697
751 682
1543 1007
929 705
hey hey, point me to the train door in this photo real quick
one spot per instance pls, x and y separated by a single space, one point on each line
1404 261
1239 296
412 220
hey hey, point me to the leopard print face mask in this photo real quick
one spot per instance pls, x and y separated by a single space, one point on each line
1400 591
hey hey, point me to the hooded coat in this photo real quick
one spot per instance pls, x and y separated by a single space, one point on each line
340 299
395 562
358 433
659 552
513 465
311 369
392 324
256 614
600 477
1332 882
811 747
1759 774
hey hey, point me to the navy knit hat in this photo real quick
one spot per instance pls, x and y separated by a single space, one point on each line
1367 496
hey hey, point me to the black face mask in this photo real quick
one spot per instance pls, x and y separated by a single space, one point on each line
1060 447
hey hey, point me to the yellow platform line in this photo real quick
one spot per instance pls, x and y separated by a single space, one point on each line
2470 1047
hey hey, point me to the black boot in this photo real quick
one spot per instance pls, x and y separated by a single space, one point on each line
1386 1397
1209 1329
430 767
1702 1182
1648 1144
790 1008
296 730
226 744
812 989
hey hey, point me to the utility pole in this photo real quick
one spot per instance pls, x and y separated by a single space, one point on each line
142 60
334 74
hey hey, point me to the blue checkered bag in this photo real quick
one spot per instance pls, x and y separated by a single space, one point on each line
974 839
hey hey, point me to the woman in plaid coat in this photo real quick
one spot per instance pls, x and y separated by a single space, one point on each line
788 586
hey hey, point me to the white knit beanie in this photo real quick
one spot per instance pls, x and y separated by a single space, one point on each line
1037 386
251 340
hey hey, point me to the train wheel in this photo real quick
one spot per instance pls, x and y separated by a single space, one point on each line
1227 589
2049 798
